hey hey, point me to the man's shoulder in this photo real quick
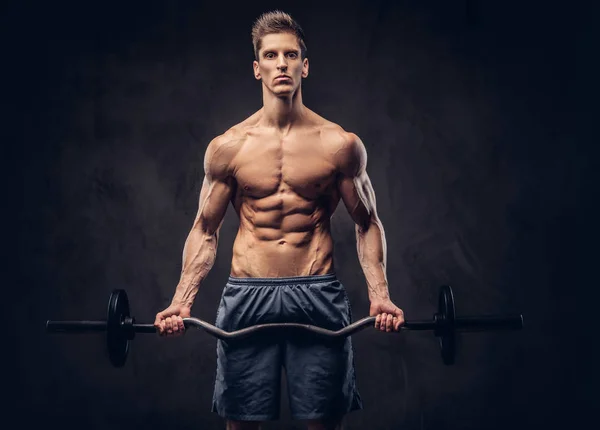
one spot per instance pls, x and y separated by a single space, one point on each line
343 142
221 151
223 148
348 149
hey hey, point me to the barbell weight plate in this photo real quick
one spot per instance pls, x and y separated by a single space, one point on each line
447 330
116 338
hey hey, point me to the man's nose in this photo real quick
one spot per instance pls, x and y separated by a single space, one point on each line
281 62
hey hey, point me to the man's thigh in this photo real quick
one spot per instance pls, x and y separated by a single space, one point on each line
320 379
247 384
320 371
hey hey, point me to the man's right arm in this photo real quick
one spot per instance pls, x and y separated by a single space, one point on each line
200 248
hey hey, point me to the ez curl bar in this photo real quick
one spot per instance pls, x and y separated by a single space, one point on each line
121 328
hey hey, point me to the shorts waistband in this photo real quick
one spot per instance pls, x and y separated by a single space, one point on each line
288 280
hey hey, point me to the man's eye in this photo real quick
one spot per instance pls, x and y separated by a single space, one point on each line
269 55
292 55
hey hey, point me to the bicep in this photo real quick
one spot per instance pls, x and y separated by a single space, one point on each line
214 199
218 185
359 197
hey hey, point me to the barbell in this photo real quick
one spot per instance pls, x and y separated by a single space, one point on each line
120 326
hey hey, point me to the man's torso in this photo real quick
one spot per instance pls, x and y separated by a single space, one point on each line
285 194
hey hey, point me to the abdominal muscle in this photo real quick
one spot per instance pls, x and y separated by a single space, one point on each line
282 236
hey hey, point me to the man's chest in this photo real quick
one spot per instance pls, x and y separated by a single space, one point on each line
301 165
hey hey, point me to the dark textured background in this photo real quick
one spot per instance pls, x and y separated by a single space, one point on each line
478 120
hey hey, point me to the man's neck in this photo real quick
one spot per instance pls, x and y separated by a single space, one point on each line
282 112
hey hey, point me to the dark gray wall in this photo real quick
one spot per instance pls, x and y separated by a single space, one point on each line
477 117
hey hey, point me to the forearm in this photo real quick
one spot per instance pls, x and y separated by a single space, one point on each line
372 255
199 254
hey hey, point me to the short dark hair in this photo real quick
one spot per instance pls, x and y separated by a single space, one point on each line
276 22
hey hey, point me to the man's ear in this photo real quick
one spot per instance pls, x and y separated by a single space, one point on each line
305 68
256 72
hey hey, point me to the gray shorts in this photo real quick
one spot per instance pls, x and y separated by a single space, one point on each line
320 372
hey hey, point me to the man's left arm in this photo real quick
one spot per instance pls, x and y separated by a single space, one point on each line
359 198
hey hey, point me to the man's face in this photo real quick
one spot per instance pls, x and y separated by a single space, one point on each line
280 65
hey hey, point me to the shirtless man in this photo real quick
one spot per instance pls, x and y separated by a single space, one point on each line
284 169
